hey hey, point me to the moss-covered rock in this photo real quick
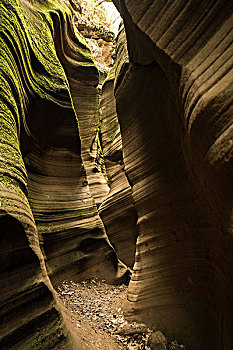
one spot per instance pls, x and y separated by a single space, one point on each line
43 205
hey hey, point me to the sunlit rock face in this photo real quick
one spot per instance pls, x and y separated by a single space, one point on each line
117 211
96 23
49 225
71 233
29 315
174 106
83 78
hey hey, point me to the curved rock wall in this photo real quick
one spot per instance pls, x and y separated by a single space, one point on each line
117 211
71 233
83 78
43 185
174 105
29 315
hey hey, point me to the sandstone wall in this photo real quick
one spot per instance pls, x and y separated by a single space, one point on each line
49 224
117 211
174 106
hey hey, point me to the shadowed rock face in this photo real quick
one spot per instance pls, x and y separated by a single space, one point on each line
22 286
174 106
71 234
49 223
117 211
26 299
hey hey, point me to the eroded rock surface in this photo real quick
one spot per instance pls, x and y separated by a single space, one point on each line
117 211
172 163
49 223
173 101
83 78
30 317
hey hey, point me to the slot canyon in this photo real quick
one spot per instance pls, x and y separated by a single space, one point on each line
116 173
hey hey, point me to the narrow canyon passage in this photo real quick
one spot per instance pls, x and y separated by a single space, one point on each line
93 302
116 148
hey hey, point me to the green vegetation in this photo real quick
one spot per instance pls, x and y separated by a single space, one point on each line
94 12
100 165
29 68
40 341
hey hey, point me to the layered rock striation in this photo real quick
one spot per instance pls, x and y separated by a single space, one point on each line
174 106
117 211
169 168
83 78
79 179
30 317
49 224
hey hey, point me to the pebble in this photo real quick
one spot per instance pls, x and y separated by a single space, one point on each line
157 341
132 329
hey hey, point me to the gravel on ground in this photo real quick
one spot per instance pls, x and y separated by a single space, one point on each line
101 306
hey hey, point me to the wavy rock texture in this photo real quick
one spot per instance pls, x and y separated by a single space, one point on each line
117 211
40 155
29 316
83 78
174 103
71 233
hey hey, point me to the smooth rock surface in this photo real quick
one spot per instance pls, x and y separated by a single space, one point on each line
157 341
83 78
49 224
173 102
71 233
29 315
117 211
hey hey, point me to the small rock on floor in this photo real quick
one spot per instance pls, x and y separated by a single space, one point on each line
133 328
157 341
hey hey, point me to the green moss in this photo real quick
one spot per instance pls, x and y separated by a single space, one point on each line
43 338
100 157
29 67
